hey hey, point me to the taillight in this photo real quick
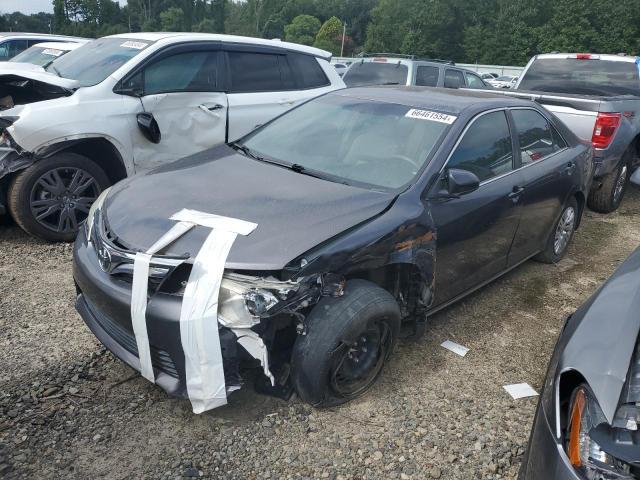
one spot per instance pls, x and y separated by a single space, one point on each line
604 129
583 56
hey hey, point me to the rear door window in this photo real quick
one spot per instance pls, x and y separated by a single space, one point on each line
255 72
376 73
453 78
485 148
534 136
309 71
427 76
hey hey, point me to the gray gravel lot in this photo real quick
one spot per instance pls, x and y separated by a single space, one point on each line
68 409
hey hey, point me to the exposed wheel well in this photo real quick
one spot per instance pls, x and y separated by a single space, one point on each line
100 151
568 382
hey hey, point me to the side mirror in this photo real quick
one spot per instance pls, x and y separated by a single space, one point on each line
149 127
635 178
460 182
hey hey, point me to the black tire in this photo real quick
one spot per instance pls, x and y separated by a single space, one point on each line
48 215
552 254
609 195
335 328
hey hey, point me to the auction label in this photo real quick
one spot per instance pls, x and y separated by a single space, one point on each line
428 115
136 45
52 51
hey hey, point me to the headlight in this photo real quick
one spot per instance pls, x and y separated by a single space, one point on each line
585 454
244 299
92 212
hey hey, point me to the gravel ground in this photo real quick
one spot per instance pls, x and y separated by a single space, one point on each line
69 409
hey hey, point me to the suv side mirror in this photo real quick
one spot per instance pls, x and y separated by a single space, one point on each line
635 178
459 182
149 127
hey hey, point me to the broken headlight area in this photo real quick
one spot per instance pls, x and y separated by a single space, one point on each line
244 299
590 458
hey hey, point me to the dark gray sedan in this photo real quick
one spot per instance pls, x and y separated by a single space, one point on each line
586 425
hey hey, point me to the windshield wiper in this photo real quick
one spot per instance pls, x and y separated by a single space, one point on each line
55 70
246 150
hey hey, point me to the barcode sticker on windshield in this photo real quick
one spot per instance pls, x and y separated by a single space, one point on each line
428 115
52 51
136 45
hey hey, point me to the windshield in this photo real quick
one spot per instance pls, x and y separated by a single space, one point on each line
370 143
582 77
91 63
375 73
38 55
504 79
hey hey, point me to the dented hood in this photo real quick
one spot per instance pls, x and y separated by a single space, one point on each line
605 336
294 212
18 72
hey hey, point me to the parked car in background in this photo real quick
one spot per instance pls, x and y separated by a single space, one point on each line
489 76
42 54
126 103
13 43
504 81
598 98
392 69
587 420
340 68
353 196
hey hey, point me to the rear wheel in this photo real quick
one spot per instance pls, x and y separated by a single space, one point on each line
52 197
348 341
608 197
560 237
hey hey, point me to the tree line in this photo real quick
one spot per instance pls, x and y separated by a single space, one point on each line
504 32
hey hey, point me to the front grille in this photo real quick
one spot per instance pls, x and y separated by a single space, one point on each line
159 358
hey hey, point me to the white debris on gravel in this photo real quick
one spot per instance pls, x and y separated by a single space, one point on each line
455 347
520 390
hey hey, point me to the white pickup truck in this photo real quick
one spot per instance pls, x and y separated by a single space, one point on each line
598 98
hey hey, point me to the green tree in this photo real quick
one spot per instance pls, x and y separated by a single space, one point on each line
303 29
330 36
172 19
208 25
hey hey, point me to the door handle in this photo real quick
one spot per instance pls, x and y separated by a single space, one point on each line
287 102
516 191
210 108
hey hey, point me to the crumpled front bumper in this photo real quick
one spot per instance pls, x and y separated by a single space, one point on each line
104 303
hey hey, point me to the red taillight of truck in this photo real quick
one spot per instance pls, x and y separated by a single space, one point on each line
605 129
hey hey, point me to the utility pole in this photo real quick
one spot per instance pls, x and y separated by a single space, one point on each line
344 32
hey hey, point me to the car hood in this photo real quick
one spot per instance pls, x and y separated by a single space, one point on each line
294 212
605 335
18 72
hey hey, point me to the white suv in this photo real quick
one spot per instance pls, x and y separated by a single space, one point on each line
129 102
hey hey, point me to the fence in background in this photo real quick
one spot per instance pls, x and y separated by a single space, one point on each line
499 69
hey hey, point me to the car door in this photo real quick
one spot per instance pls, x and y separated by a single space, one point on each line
260 86
182 89
474 232
548 169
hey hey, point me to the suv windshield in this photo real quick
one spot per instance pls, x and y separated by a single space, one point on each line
353 141
376 73
582 77
91 63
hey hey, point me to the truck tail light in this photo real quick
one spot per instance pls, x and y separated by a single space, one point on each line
583 56
604 129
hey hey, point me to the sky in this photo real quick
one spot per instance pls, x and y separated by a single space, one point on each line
30 6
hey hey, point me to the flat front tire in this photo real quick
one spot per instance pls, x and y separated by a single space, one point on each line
347 343
52 197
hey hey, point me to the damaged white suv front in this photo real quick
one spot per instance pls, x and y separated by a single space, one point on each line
126 103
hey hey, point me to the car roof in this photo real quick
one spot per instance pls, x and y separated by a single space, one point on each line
184 36
66 46
40 35
448 100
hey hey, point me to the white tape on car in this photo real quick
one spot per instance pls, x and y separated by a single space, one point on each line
199 312
139 311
